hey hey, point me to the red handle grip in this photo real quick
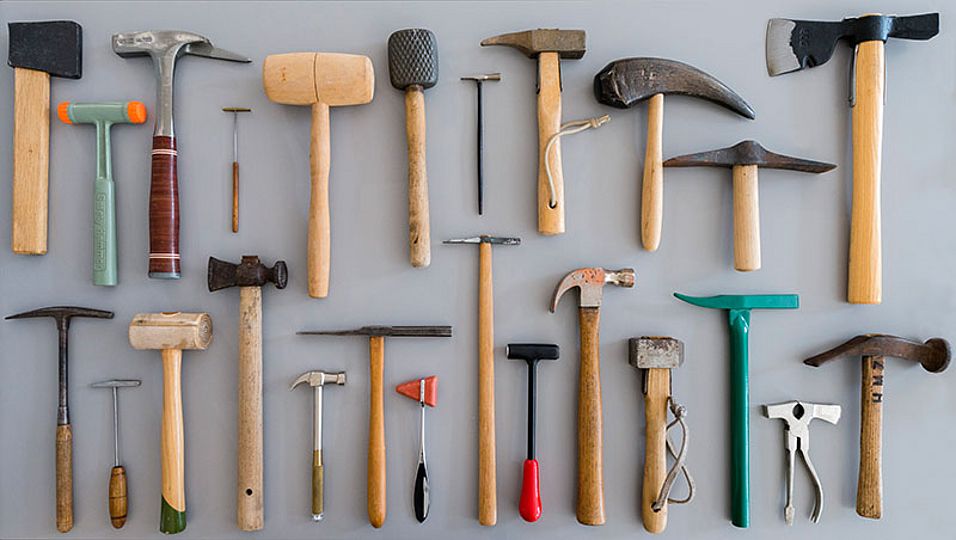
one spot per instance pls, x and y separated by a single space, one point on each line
164 211
530 505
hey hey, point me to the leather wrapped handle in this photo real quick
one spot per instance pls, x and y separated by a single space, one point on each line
64 478
419 235
590 509
164 262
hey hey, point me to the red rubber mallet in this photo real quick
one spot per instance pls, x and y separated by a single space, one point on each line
425 392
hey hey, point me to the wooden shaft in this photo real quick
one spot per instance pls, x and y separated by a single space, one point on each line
118 502
235 196
746 219
487 471
318 485
64 478
376 433
249 492
550 220
31 161
164 261
658 389
173 513
419 237
652 192
869 489
590 509
319 240
865 278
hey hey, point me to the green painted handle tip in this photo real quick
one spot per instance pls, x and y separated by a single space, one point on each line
171 521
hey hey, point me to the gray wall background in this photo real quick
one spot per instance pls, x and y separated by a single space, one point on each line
805 228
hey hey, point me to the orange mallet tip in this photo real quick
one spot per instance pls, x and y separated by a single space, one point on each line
135 111
63 112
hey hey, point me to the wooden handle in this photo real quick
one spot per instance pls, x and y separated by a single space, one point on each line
658 389
318 486
652 192
487 471
235 196
869 489
746 219
249 494
865 279
419 237
319 239
173 513
31 161
590 431
164 262
550 220
376 433
118 502
64 478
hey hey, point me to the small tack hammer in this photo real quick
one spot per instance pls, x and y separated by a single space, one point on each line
480 136
118 501
317 380
235 162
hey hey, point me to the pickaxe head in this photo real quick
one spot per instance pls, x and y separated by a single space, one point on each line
55 47
748 153
591 282
385 331
933 355
743 301
249 273
629 81
793 45
569 44
319 378
63 314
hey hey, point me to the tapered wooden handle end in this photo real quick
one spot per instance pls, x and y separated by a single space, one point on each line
419 236
118 502
746 219
590 510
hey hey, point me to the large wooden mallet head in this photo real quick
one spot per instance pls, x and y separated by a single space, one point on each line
321 80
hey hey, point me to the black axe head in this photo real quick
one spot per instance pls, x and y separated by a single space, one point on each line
748 153
413 58
793 45
55 47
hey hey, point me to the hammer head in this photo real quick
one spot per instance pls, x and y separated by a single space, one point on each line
748 153
319 378
117 383
55 47
334 79
161 44
249 273
412 58
63 314
486 239
743 301
569 44
626 82
385 331
591 282
798 414
108 112
166 331
655 352
933 355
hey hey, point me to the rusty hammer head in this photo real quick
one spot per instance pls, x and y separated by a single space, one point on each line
569 44
249 273
933 355
54 47
413 58
651 352
319 378
63 314
170 331
748 153
591 282
307 78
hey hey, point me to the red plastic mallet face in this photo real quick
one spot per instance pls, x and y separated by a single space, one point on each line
411 388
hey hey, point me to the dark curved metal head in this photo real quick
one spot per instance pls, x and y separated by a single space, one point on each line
628 81
249 273
748 153
63 314
591 282
412 58
934 355
569 44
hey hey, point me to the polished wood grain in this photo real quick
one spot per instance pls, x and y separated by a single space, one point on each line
164 209
550 220
249 490
746 219
118 503
590 508
376 433
171 439
419 235
869 489
487 470
658 390
235 196
31 161
652 190
319 237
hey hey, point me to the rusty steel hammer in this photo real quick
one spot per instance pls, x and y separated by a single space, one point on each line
934 355
376 419
64 431
171 333
590 281
744 158
250 275
548 46
627 82
317 380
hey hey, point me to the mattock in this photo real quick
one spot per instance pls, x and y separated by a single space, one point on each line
933 355
118 500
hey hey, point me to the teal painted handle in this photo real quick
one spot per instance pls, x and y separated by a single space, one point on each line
739 417
104 233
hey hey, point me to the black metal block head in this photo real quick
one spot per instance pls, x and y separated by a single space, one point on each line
413 58
532 352
55 47
249 273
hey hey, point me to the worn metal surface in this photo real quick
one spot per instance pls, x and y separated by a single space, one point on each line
626 82
655 352
748 153
386 331
486 239
55 47
569 44
591 282
934 354
249 273
413 58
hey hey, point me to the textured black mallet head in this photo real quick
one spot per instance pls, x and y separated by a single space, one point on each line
249 273
413 58
55 47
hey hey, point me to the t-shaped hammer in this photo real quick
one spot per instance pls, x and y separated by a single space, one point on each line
317 380
590 281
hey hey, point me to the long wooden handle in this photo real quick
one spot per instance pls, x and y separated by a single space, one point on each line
318 486
865 279
249 493
376 433
487 471
746 219
172 518
658 389
869 489
118 502
550 219
419 237
31 161
652 191
64 478
590 422
235 196
319 240
164 262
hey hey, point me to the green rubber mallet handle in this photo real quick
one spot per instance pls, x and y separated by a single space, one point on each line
104 231
739 320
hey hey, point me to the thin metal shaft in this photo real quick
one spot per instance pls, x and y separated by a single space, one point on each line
481 152
532 389
235 137
421 401
116 450
317 418
63 408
